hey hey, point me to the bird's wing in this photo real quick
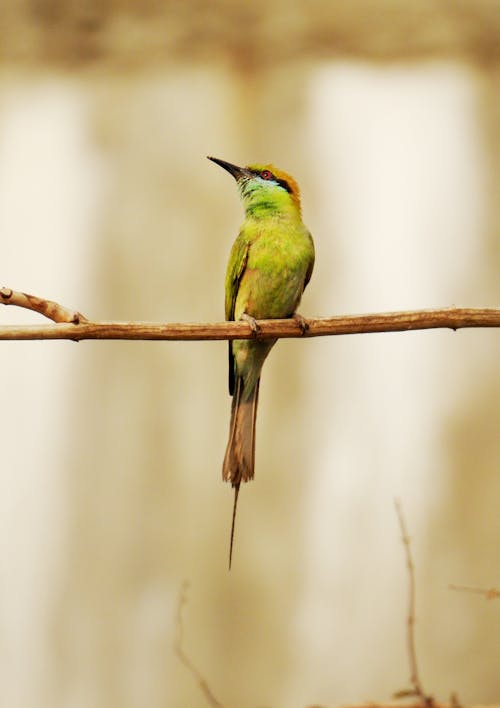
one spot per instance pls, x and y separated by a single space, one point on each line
311 265
235 269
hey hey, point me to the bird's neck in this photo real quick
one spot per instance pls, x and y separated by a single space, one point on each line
265 203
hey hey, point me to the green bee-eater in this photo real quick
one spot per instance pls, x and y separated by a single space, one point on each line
270 264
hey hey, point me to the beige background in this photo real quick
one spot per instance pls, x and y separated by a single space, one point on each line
110 491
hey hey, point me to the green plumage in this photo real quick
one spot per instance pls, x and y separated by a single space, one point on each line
270 264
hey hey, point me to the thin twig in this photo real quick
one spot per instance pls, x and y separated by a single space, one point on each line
178 648
397 704
416 689
53 310
488 593
74 326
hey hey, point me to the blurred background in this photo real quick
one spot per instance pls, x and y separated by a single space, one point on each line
110 478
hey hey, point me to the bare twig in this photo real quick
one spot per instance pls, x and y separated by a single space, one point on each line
416 690
74 326
397 704
488 593
200 679
48 308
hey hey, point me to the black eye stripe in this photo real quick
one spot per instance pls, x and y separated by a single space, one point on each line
283 183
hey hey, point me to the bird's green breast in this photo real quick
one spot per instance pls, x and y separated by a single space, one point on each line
280 256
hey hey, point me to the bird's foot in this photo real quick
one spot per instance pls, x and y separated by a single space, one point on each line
302 323
252 322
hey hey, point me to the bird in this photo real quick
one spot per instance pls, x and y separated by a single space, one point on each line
270 264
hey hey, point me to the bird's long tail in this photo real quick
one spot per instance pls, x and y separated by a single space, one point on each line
240 452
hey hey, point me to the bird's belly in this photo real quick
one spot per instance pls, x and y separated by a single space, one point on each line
270 290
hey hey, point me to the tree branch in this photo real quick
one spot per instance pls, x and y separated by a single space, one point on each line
48 308
184 658
416 691
488 593
398 704
74 326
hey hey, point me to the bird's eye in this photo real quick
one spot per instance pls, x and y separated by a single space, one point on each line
265 174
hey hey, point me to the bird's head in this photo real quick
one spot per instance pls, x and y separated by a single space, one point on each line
264 189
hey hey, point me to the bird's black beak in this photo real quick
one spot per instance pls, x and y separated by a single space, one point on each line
237 172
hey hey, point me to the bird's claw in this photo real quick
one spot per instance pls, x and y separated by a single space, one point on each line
301 322
252 323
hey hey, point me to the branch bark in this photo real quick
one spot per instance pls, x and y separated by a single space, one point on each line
69 324
53 310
